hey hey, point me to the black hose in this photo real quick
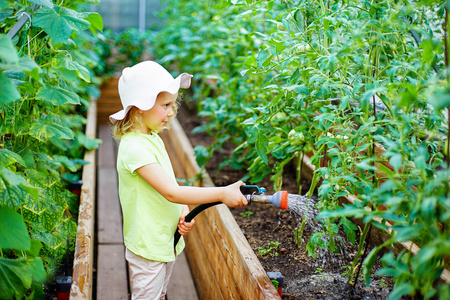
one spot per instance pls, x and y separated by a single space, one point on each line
191 215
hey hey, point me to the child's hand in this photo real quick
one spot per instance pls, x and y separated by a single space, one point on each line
185 227
233 196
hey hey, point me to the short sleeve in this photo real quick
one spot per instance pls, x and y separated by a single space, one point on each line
138 154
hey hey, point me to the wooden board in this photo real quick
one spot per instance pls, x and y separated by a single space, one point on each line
215 259
112 276
112 280
106 157
84 247
109 100
202 274
109 214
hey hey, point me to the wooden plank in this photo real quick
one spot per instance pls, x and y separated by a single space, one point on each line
110 94
112 280
109 100
178 168
110 109
225 280
205 281
84 247
109 214
106 156
181 285
112 276
244 265
103 118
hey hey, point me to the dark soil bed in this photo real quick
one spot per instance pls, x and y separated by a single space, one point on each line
305 277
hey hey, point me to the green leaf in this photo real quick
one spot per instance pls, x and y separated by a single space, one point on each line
368 263
440 99
64 62
15 278
8 157
263 58
3 4
37 270
25 63
13 231
14 189
46 3
396 161
349 229
44 132
50 240
57 95
261 146
59 22
202 155
96 20
402 289
35 248
8 91
8 52
71 164
88 143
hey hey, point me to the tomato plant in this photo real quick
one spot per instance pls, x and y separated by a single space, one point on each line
359 86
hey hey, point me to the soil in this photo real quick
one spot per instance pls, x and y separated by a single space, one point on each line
304 277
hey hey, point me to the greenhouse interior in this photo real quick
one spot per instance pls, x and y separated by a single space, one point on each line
301 151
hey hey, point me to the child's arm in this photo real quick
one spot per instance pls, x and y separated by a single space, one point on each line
155 175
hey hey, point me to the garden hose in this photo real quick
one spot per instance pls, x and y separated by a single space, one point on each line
191 215
252 193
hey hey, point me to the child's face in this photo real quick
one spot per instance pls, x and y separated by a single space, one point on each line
157 118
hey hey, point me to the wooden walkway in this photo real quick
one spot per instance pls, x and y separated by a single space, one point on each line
111 267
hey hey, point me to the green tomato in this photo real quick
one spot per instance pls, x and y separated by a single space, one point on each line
307 148
296 138
278 117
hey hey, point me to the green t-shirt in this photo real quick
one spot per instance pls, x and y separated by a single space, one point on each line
149 220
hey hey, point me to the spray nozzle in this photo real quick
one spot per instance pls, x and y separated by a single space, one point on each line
257 194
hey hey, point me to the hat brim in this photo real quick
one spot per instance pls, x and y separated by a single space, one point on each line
182 81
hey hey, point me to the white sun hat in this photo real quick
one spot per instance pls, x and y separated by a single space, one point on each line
141 84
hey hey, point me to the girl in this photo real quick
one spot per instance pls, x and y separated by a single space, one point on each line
153 204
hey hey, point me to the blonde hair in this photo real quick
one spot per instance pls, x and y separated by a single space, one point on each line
133 120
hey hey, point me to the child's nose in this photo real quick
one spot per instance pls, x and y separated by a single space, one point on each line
171 112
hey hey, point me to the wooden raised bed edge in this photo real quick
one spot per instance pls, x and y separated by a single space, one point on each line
84 248
222 263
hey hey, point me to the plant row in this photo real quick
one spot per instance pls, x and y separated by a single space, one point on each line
48 76
361 87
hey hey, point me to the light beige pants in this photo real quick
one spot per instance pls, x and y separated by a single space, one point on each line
148 278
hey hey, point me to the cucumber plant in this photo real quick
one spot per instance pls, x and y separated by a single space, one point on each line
47 78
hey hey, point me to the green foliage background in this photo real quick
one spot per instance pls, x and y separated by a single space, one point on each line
47 79
361 87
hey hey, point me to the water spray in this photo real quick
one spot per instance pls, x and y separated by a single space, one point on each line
299 204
